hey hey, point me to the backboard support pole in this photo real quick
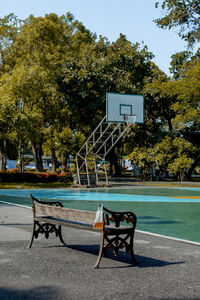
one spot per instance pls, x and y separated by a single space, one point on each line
91 151
122 111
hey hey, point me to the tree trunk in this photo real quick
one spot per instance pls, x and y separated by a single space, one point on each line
63 164
169 121
53 158
112 157
2 162
111 168
37 153
20 157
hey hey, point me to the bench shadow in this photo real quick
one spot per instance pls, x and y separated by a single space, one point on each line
167 222
142 261
40 292
148 217
155 220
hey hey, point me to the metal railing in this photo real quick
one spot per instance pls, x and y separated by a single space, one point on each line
103 139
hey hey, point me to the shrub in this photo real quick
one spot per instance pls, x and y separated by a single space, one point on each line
36 177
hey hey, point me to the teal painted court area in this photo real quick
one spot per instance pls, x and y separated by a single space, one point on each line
173 212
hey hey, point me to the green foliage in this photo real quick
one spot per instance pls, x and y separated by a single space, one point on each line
164 152
99 68
174 155
171 154
179 63
68 142
159 102
143 158
29 93
179 165
183 14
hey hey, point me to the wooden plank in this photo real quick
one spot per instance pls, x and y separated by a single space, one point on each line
65 213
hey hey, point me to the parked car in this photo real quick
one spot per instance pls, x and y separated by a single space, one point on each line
30 166
46 166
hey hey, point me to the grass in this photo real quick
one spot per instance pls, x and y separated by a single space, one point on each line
26 185
169 184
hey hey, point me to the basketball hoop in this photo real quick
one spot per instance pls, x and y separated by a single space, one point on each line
130 119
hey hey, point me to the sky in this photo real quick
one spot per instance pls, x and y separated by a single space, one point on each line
109 18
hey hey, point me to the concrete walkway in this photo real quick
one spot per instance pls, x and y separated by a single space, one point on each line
168 269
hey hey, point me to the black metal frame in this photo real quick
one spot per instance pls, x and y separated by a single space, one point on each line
116 238
42 227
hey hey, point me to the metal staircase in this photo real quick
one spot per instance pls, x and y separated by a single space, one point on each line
94 150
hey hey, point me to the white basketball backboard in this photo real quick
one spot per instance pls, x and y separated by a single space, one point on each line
119 105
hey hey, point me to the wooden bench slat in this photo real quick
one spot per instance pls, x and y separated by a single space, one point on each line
65 213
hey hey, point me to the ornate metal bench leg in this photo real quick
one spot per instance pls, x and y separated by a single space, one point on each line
60 236
33 235
96 266
131 251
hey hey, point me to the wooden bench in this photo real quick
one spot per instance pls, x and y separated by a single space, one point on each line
48 217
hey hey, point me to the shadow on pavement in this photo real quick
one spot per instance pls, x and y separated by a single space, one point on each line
42 292
143 262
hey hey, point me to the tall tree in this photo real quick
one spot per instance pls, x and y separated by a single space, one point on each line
9 29
37 51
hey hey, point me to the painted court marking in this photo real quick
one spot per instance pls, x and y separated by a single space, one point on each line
187 197
59 194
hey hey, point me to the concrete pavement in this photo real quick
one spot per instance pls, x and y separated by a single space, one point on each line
168 269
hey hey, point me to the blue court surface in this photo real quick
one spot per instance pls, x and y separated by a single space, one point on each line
173 212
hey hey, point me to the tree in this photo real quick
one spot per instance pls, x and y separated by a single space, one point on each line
174 154
79 84
188 93
21 91
144 159
183 14
5 129
9 28
37 52
187 120
68 142
179 64
159 102
179 166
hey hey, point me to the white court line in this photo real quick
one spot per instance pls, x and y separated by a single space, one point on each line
168 237
14 204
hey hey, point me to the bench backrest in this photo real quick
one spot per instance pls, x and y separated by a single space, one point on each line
75 215
56 210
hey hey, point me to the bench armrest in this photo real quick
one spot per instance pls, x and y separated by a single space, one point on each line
53 203
119 216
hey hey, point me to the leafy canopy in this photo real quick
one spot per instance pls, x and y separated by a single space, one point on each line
183 14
